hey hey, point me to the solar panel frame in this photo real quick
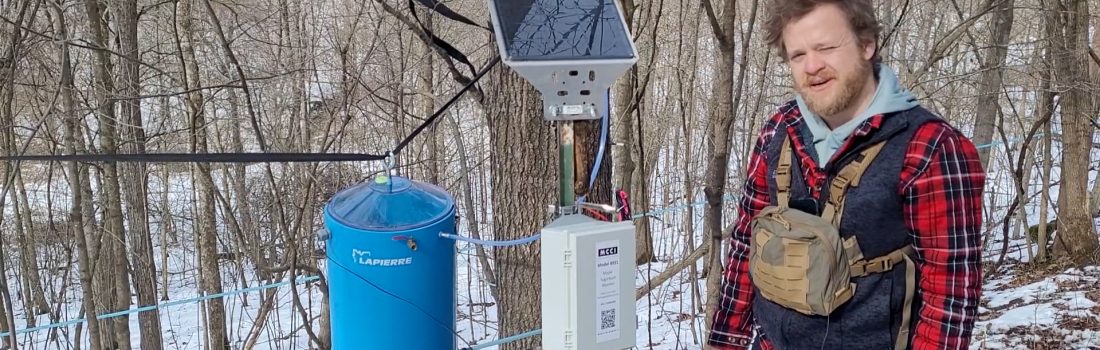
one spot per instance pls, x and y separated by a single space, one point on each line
561 30
573 87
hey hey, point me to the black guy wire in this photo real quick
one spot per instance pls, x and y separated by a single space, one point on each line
446 106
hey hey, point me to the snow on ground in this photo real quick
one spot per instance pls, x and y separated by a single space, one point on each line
1024 309
181 324
1021 311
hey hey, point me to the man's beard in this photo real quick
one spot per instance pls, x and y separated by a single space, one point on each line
850 88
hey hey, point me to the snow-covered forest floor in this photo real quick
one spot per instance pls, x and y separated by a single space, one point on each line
1028 307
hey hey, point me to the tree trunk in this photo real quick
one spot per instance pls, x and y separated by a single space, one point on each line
167 226
625 158
1044 109
992 78
686 76
251 239
33 296
28 248
5 288
135 175
1044 192
1094 199
78 223
523 161
718 146
241 194
426 79
623 131
114 278
7 96
1077 233
210 281
469 207
622 116
1021 183
90 236
245 228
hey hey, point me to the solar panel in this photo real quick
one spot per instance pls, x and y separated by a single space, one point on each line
562 30
572 51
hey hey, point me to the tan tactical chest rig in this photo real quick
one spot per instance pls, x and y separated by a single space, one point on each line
799 260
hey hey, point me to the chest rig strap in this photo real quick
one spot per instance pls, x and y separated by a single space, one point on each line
848 177
783 175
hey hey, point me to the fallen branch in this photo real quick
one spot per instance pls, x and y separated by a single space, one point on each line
673 270
260 320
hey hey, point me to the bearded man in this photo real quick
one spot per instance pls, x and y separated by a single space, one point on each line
908 212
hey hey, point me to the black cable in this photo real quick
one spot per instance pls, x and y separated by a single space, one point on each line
442 9
395 296
446 106
436 40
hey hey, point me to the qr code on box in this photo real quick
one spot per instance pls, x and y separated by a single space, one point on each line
607 319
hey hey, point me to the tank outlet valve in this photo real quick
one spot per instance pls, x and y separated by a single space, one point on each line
409 241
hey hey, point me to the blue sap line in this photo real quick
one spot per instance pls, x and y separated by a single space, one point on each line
301 280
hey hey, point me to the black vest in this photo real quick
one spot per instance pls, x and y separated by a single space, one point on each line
872 213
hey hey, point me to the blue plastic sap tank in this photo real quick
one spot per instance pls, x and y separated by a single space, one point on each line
387 232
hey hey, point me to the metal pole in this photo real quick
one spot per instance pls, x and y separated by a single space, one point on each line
566 196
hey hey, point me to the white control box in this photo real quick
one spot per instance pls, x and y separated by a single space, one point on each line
588 284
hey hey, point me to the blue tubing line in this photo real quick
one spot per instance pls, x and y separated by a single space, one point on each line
678 207
995 143
652 213
603 139
515 242
604 120
168 304
506 340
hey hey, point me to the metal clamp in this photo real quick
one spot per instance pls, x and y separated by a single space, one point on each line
599 207
390 162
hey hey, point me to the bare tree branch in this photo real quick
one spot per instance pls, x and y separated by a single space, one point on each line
939 50
460 78
252 116
723 41
86 45
894 28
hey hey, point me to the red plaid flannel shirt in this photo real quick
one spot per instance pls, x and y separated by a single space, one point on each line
941 187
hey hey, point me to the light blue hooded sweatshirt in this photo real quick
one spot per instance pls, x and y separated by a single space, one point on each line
889 97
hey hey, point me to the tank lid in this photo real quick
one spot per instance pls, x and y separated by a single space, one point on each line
390 204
